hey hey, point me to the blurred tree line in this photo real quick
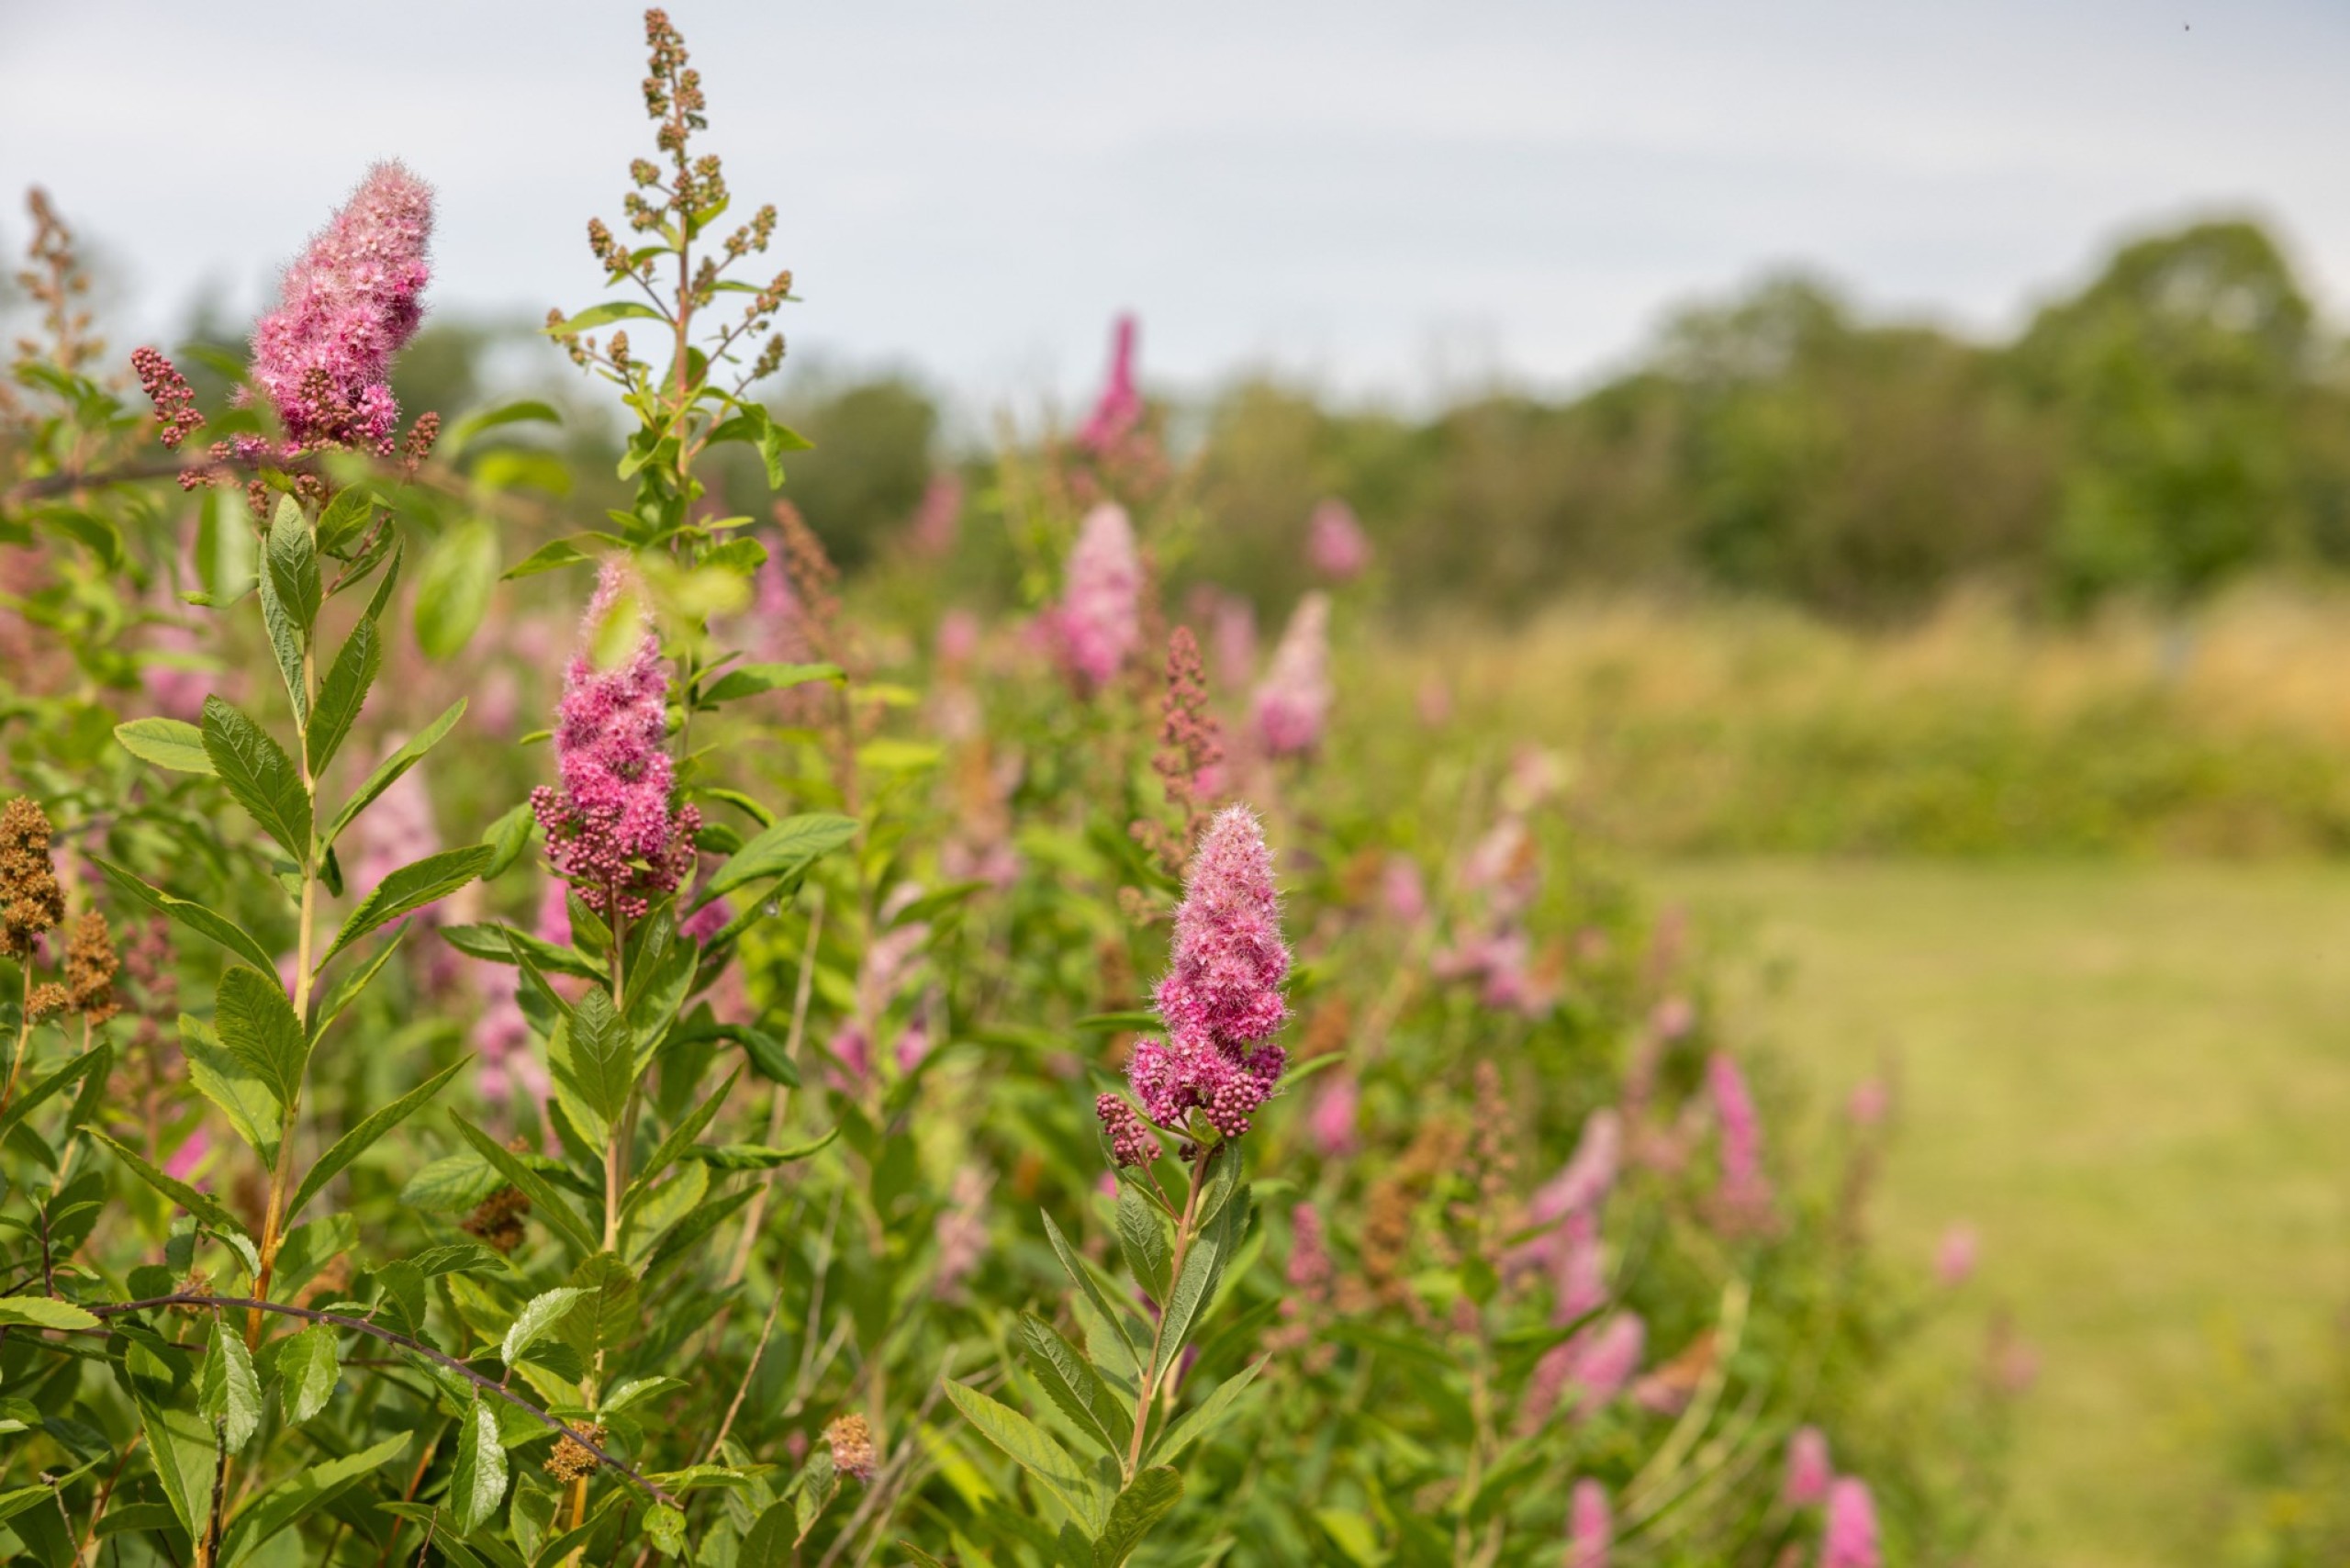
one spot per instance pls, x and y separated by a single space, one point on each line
2184 417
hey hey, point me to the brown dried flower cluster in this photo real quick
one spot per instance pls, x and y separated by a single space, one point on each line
571 1461
497 1221
30 900
90 968
850 1441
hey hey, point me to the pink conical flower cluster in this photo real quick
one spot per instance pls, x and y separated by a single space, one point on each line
1810 1469
1294 699
1591 1527
611 829
1119 409
1744 1196
1098 625
1222 999
1336 545
1850 1539
349 304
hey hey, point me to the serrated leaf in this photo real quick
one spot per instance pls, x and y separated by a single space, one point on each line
260 775
677 1141
44 1312
772 1538
296 1498
547 1204
356 1142
503 945
308 1370
285 641
450 1184
1080 1277
183 1452
1142 1239
223 1078
167 742
1203 1270
454 587
343 692
507 837
1030 1447
784 850
349 989
552 556
1144 1502
599 1064
819 1482
1205 1417
346 518
477 1479
294 564
204 1208
388 771
757 1156
256 1024
1070 1381
410 888
231 1393
539 1315
748 680
184 912
667 1526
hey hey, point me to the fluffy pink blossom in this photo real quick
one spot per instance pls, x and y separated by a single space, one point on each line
708 921
1097 625
1744 1193
1311 1270
1330 1120
958 637
961 1230
1850 1539
1582 1184
1222 998
1118 411
611 831
1293 701
348 304
1954 1258
1335 547
938 518
1590 1529
1403 890
553 921
1232 634
1606 1362
914 1045
1808 1469
176 681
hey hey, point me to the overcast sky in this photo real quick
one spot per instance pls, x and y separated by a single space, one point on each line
1391 199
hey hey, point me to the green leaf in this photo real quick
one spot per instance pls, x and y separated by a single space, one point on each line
552 556
256 1022
757 1156
211 1214
787 849
231 1393
453 588
411 887
94 1062
1202 1269
293 1500
344 689
294 564
1117 1023
772 1539
183 1455
679 1140
285 645
389 771
1071 1382
749 680
667 1526
466 431
309 1370
1035 1450
507 837
355 1142
193 915
1144 1502
604 315
223 1077
540 1314
347 989
1206 1416
260 775
382 597
918 1557
1143 1240
346 518
547 1205
477 1479
601 1064
44 1312
504 945
167 742
1075 1269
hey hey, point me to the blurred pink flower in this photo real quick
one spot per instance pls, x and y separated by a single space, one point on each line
1850 1539
397 830
938 518
1119 410
178 681
1870 1102
1434 701
1743 1195
1232 633
1607 1359
958 637
961 1230
1808 1469
1589 1531
1955 1258
1097 625
1335 547
1294 699
1403 888
1330 1120
189 1155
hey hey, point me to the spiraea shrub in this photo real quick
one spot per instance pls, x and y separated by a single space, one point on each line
531 1042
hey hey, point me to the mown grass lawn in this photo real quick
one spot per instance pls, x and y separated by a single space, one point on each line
2135 1080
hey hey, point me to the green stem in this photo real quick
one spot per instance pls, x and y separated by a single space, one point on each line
1147 1392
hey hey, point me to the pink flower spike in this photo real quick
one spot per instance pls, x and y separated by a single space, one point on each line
1808 1469
1335 547
1850 1539
1330 1121
1294 701
1591 1529
349 303
1955 1258
1097 625
1607 1363
1120 408
1744 1195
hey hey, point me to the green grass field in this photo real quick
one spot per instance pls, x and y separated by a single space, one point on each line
2135 1080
